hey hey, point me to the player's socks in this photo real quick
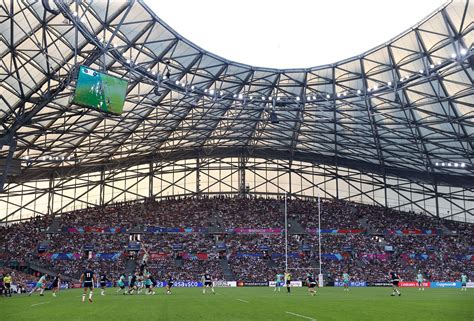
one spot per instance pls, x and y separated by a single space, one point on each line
54 294
90 296
83 297
102 292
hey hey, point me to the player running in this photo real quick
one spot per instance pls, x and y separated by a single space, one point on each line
311 281
395 279
88 279
419 280
149 284
103 283
40 285
169 284
55 285
345 281
207 283
132 283
288 281
463 282
121 283
278 282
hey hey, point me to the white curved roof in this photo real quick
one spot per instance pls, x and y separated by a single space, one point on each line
400 108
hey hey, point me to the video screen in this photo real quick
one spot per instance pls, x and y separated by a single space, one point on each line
100 91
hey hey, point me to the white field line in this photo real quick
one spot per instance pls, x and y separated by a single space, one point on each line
245 301
301 316
33 305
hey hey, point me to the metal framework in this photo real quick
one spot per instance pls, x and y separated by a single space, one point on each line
373 128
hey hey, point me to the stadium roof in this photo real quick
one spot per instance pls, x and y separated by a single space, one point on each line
403 108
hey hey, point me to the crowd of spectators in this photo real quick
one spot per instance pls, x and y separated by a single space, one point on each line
363 255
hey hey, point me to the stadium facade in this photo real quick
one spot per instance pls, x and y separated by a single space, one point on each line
392 126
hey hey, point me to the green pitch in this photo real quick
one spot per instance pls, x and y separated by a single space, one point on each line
246 304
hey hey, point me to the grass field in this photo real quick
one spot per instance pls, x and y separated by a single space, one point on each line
246 304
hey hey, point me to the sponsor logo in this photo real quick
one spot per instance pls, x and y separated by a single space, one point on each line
445 284
297 284
379 284
244 283
225 284
180 284
352 283
470 285
413 284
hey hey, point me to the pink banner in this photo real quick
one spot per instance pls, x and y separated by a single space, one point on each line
353 231
159 256
377 256
258 230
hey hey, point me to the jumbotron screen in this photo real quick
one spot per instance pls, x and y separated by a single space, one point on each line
100 91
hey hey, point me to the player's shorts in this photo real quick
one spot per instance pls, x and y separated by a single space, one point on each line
132 284
121 284
103 284
463 284
7 285
88 284
395 283
420 283
170 284
55 285
346 283
147 285
39 285
288 282
278 283
312 285
208 283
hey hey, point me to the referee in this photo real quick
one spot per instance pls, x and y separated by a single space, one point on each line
288 281
7 281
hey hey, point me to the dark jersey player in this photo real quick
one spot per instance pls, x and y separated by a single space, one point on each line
55 285
395 279
207 283
88 279
103 283
169 284
132 283
311 284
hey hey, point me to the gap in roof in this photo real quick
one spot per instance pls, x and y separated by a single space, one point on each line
290 34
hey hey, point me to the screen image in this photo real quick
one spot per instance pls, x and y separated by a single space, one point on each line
100 91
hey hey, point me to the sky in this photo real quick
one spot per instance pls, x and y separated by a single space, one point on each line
290 33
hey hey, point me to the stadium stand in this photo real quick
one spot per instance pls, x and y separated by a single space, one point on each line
365 240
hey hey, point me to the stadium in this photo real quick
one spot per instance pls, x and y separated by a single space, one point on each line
177 184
